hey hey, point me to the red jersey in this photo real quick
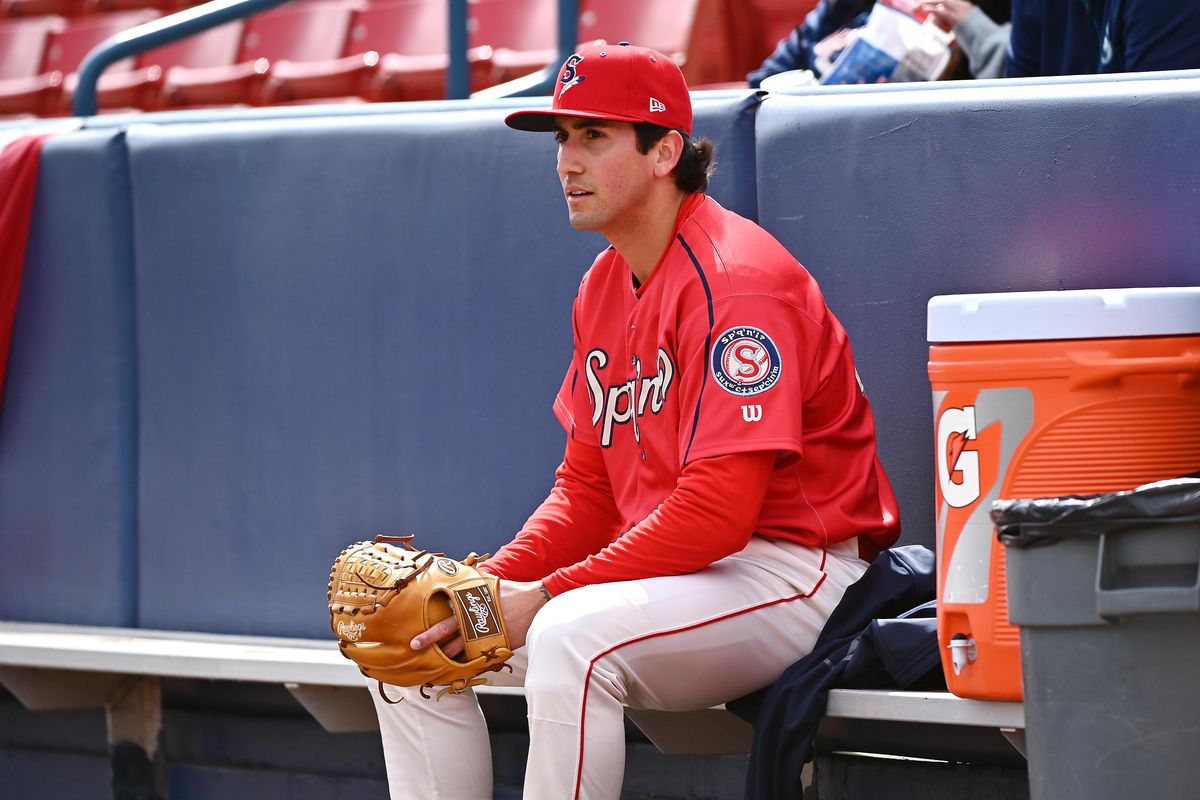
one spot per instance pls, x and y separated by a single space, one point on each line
726 348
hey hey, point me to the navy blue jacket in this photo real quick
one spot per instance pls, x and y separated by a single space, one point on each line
883 633
1083 37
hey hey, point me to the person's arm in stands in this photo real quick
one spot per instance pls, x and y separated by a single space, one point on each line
985 43
983 40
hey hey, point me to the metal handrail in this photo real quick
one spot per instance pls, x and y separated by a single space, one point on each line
458 75
200 18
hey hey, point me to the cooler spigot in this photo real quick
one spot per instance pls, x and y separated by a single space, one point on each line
962 652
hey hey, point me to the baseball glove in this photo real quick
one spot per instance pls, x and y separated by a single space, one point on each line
382 595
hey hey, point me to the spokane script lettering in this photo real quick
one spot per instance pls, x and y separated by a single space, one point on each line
621 403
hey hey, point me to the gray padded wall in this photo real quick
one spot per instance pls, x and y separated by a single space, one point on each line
890 198
346 327
67 470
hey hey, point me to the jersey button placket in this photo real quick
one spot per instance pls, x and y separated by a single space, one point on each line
633 360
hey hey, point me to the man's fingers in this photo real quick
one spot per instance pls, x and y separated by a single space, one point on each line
438 632
453 648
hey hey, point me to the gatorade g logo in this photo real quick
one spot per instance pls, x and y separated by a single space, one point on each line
977 434
958 468
569 75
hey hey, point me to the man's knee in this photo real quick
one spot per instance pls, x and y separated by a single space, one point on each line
554 641
571 635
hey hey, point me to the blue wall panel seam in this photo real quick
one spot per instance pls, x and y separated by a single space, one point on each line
749 112
121 218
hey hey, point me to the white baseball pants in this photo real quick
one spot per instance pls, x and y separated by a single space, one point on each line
675 643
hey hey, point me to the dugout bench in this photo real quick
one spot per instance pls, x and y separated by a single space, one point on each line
56 667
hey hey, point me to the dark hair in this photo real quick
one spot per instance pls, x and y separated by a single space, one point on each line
696 163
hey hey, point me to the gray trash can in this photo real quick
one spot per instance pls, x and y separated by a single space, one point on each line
1106 591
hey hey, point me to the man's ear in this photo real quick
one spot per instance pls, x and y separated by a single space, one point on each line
667 152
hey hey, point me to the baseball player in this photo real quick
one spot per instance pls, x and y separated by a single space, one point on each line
720 479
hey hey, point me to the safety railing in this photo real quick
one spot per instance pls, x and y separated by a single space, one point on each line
209 15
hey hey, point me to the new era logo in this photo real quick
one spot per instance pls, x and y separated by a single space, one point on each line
656 105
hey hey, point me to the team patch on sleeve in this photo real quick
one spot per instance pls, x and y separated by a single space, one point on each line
745 361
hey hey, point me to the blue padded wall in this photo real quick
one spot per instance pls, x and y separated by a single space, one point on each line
890 198
354 324
729 123
346 327
67 429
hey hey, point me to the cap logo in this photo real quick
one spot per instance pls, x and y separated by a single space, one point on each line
656 105
569 75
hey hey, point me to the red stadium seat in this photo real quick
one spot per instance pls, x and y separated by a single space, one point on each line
523 35
702 36
306 31
661 24
735 36
23 45
165 6
414 28
723 44
142 87
507 39
396 50
37 8
64 51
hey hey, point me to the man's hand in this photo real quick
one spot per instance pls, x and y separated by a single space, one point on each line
948 12
518 601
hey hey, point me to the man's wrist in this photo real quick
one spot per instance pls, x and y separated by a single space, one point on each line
545 592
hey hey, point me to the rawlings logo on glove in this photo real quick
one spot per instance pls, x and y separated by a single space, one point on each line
381 596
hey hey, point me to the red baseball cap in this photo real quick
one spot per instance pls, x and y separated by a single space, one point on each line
620 82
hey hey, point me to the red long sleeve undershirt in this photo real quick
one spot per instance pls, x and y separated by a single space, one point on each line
574 538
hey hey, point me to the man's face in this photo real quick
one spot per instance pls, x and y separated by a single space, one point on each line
605 179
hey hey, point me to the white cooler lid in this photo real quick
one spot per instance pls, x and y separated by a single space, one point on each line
1077 314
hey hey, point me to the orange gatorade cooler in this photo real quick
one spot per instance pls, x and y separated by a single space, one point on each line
1038 394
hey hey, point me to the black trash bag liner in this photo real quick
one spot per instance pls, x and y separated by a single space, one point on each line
1029 522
